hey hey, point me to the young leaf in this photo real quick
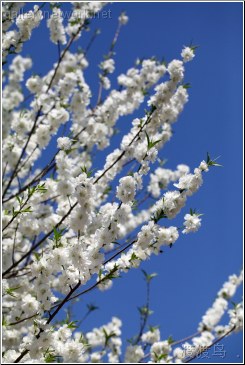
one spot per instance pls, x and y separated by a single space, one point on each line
72 324
211 162
108 336
92 307
149 277
10 291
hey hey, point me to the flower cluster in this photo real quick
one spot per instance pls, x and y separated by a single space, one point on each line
13 39
57 30
214 314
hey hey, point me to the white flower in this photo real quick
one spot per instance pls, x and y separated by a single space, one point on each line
214 314
64 143
167 236
29 305
58 116
187 54
26 22
108 65
158 349
179 353
43 135
133 354
192 223
65 187
105 82
151 336
190 182
152 154
146 235
126 189
172 203
203 166
236 317
123 19
34 84
176 70
57 31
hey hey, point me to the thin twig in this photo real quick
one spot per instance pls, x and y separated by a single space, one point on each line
146 315
13 251
22 320
90 43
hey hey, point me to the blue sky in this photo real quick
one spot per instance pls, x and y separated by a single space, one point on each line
191 272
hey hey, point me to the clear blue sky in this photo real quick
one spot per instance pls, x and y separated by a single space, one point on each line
191 273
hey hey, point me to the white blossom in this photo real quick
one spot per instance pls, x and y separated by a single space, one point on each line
126 189
187 54
192 223
123 19
64 143
57 31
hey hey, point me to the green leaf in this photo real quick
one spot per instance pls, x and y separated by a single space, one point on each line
186 86
72 324
153 328
134 257
134 205
100 274
41 188
91 307
132 340
141 123
37 256
20 200
170 340
225 296
145 92
151 143
194 212
54 5
158 215
107 190
89 173
75 21
65 106
26 210
194 48
37 189
211 162
145 311
149 277
31 191
10 291
164 62
108 336
153 108
57 237
160 357
49 356
17 212
112 274
4 322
